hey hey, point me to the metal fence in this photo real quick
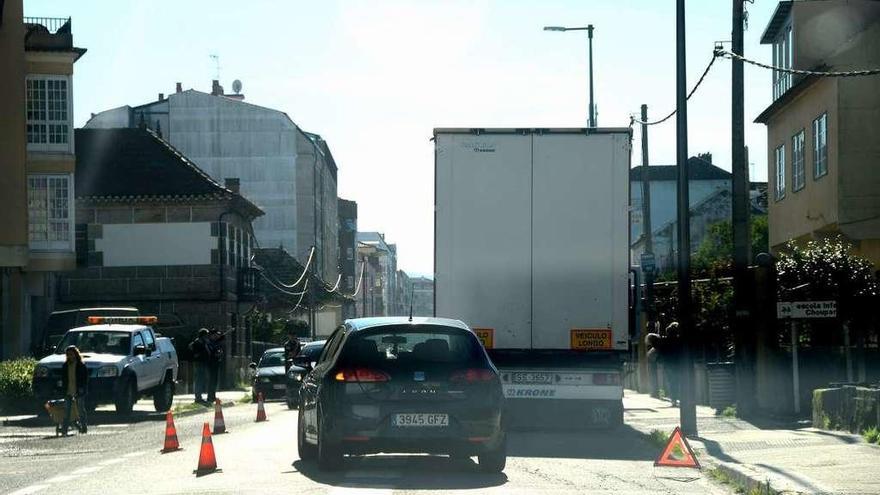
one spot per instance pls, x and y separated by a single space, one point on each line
53 24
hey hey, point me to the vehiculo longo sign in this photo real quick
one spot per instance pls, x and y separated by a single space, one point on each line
806 309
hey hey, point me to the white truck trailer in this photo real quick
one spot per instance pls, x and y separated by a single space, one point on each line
531 249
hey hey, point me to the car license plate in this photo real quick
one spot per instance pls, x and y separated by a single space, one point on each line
279 386
421 420
531 377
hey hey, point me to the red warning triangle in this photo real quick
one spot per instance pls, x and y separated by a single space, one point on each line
678 452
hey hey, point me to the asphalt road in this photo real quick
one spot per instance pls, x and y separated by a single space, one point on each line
123 457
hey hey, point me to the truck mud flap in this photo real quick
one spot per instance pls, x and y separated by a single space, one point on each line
559 414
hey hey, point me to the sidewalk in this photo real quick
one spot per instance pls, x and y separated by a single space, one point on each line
793 458
227 397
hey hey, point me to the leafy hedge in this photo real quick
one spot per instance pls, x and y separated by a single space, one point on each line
15 385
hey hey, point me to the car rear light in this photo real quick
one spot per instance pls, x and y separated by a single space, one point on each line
472 375
606 379
362 375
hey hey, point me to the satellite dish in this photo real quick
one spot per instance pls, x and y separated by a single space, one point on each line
236 86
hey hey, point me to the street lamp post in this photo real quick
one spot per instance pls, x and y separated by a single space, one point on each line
591 113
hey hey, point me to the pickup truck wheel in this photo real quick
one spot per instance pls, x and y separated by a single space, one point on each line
163 397
126 396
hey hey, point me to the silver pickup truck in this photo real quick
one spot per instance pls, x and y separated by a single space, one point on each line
125 359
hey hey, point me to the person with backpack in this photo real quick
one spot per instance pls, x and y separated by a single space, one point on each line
201 356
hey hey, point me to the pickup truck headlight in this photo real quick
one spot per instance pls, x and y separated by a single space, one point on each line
265 380
41 372
107 371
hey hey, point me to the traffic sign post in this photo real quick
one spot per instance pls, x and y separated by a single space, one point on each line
649 264
798 310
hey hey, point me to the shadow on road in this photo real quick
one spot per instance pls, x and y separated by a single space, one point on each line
621 443
421 472
95 418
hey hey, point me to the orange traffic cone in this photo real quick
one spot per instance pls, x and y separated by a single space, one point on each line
261 410
207 461
219 424
171 443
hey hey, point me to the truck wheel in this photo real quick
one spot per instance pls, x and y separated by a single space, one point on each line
329 455
163 396
494 460
305 449
126 397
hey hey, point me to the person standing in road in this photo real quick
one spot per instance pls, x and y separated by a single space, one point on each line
670 354
201 356
215 361
291 348
75 382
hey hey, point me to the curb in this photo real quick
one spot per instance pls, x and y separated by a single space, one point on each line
193 412
739 476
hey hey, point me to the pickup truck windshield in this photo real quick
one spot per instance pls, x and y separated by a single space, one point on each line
97 342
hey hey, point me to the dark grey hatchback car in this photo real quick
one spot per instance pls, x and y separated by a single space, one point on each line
421 385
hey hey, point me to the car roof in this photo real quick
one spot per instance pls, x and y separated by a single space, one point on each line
273 350
314 343
358 324
111 327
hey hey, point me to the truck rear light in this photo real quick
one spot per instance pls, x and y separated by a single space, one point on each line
606 379
361 375
472 375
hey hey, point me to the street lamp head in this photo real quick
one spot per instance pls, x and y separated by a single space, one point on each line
554 28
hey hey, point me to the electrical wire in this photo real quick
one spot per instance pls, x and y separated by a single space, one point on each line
360 279
851 73
634 120
279 289
299 302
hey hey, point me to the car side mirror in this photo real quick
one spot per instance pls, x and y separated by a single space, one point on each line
252 366
140 350
301 361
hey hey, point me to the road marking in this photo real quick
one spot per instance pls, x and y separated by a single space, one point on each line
28 490
63 478
87 470
135 454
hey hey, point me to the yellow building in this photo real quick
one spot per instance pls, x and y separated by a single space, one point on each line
38 158
822 132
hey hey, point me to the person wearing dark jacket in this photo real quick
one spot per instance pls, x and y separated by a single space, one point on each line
215 361
75 383
291 348
201 356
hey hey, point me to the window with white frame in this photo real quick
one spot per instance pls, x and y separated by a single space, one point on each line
780 172
797 162
782 58
48 113
50 221
820 146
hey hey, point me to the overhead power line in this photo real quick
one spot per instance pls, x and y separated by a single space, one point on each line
817 73
634 120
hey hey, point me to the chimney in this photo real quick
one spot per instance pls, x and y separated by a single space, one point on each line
179 88
705 156
216 89
161 96
233 184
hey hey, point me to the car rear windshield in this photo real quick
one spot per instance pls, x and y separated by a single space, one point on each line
270 360
401 346
312 352
97 342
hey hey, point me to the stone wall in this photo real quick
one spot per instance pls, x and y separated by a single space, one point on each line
849 408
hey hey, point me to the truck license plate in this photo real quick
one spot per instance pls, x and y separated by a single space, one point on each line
279 386
421 420
531 377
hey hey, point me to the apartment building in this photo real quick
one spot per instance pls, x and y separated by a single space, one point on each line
37 152
822 132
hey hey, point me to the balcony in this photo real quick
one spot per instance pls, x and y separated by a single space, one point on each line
53 25
246 290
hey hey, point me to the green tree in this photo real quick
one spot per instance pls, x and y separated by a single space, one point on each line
715 253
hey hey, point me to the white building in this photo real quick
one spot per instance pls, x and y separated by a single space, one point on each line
387 256
263 148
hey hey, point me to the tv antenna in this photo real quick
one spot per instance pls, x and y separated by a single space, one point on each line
216 59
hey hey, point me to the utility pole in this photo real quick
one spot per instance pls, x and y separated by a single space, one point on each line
592 104
311 291
687 408
648 253
743 338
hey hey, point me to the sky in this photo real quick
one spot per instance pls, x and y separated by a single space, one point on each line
374 77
